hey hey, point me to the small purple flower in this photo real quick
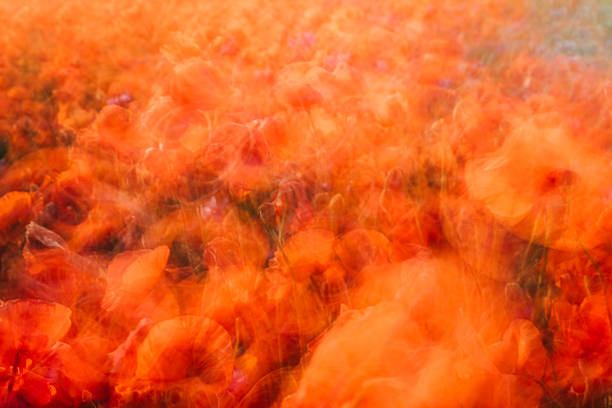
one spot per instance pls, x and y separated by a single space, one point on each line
122 99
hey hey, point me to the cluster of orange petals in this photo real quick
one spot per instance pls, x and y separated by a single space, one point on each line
304 204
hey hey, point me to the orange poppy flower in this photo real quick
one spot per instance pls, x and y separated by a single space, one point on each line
132 275
306 253
75 381
238 154
186 348
64 275
32 326
361 247
426 344
555 195
198 83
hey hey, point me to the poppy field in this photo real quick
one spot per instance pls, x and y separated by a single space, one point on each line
332 203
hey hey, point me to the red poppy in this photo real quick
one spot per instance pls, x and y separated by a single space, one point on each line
28 331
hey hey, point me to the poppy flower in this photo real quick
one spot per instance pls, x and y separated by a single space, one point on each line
409 227
361 247
195 361
197 347
115 133
306 253
28 331
75 380
196 82
290 315
160 304
427 339
581 340
523 340
326 203
132 275
381 283
295 90
228 296
32 326
239 155
555 195
473 118
65 276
